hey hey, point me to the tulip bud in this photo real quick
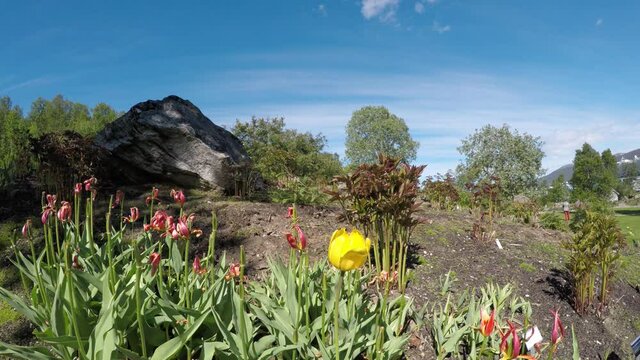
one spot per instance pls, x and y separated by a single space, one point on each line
182 228
289 212
45 215
291 240
302 239
154 260
557 332
234 271
25 228
197 268
51 201
486 322
77 189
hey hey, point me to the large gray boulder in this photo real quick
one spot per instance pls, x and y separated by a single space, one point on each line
170 140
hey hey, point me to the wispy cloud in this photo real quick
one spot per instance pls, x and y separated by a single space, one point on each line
43 80
599 22
385 10
419 7
440 29
321 9
440 109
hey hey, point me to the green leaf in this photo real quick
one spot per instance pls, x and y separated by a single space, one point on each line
172 347
24 352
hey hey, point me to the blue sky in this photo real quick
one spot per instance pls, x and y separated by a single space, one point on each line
566 71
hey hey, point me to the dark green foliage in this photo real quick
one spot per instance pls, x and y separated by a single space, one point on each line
593 174
486 197
499 152
14 145
280 153
298 191
59 114
525 210
629 170
373 130
557 192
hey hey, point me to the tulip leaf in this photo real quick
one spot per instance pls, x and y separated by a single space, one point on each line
24 352
172 347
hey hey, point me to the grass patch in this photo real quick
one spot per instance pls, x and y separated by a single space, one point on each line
7 313
629 221
8 276
527 267
553 252
7 229
630 268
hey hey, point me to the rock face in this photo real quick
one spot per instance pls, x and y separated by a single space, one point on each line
171 140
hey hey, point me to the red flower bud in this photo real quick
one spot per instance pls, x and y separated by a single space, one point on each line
557 332
118 198
289 212
77 189
302 239
197 268
154 260
25 228
134 215
45 215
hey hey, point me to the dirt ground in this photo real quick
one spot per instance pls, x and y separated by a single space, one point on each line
531 260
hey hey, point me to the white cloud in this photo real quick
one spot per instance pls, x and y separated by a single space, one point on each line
384 9
419 7
440 109
322 9
440 29
599 22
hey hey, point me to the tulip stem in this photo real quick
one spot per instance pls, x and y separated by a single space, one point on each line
243 330
336 315
186 273
324 309
138 264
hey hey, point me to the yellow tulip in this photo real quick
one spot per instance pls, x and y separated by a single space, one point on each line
348 251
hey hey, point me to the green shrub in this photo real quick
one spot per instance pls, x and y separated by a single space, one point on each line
553 221
298 191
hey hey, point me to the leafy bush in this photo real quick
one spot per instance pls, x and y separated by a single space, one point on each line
381 199
595 250
298 191
525 210
139 295
486 196
442 191
553 221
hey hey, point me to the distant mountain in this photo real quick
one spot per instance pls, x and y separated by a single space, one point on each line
567 170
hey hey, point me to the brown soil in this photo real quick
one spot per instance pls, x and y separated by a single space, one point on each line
531 260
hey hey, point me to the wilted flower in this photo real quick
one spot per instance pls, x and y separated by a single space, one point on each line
557 332
51 201
64 213
134 215
159 220
181 228
147 227
45 214
75 263
77 189
153 196
154 260
486 322
89 183
118 198
178 197
234 271
289 212
348 251
299 243
25 228
197 267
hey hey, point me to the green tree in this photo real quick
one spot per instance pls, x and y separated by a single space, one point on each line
558 191
499 152
590 176
14 144
279 152
629 170
373 130
610 168
59 114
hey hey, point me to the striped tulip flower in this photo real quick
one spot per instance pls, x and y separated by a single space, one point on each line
154 260
64 213
486 322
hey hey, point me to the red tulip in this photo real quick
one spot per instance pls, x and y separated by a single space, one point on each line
154 192
290 212
486 322
154 260
118 198
302 239
292 240
511 350
76 264
197 268
77 189
153 196
134 215
557 333
25 228
160 219
178 197
182 228
147 227
64 213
